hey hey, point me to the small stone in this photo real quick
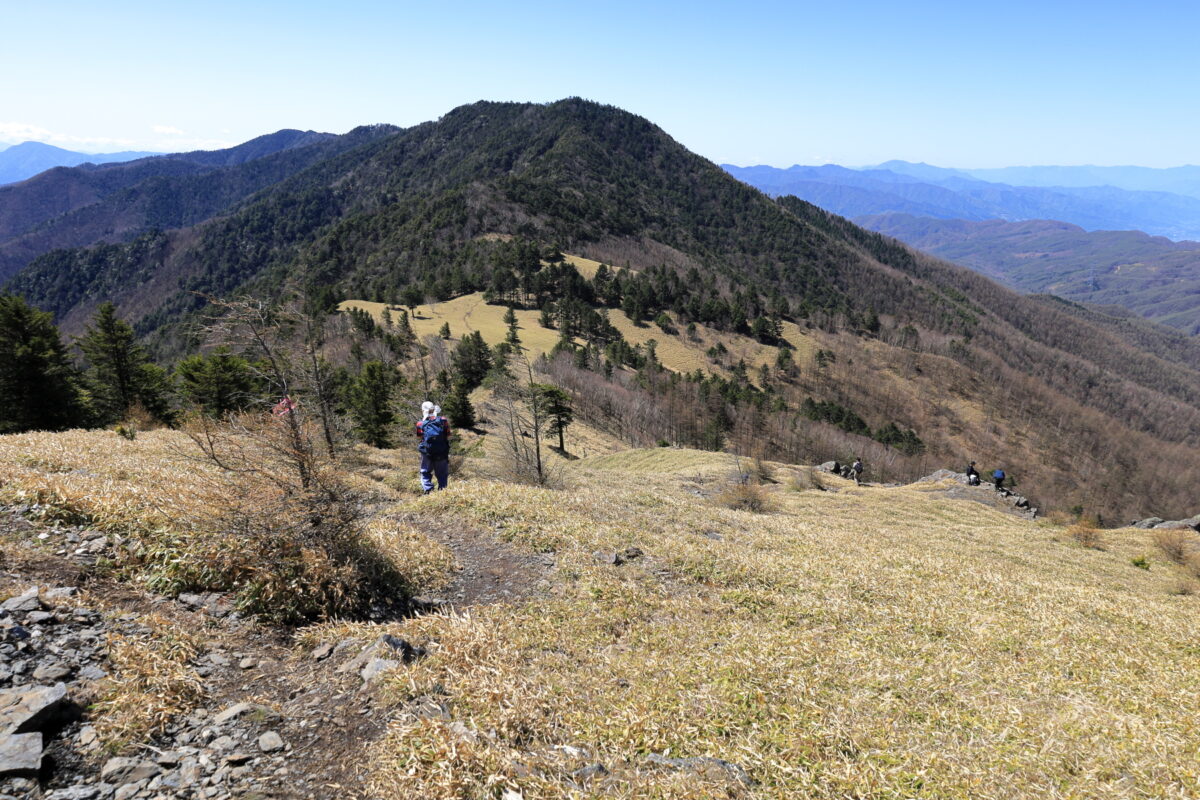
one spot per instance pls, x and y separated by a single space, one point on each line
54 671
269 742
92 673
168 758
602 557
376 667
247 663
128 790
237 759
222 743
242 709
128 770
322 652
40 617
81 792
26 710
88 736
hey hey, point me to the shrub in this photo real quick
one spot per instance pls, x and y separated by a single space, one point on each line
1175 544
745 497
1086 535
1141 562
806 479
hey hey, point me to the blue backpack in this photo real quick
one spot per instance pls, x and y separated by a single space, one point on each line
435 441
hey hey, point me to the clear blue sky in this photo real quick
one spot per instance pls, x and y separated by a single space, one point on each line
951 83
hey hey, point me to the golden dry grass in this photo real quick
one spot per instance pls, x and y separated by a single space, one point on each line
867 643
177 512
152 682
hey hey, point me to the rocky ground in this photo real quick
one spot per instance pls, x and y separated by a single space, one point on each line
274 720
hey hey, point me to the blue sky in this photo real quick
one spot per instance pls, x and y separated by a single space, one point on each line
951 83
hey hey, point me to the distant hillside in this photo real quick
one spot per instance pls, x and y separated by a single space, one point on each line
923 190
901 350
21 161
1149 275
73 207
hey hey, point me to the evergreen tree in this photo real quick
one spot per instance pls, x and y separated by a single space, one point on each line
458 407
121 373
218 383
37 385
370 402
445 330
556 408
471 359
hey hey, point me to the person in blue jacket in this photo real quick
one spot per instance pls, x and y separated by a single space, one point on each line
434 430
998 476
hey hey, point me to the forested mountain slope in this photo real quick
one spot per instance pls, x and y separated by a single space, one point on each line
85 205
1094 406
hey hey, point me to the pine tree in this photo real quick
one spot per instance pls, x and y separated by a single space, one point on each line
37 385
218 383
121 373
556 408
370 402
458 407
445 330
471 359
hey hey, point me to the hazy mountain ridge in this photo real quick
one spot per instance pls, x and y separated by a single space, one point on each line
1150 275
900 187
24 160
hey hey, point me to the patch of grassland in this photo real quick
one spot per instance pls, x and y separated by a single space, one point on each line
867 643
185 524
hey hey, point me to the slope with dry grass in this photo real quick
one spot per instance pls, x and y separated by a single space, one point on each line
859 643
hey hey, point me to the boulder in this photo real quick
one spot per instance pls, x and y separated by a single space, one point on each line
1149 522
1179 525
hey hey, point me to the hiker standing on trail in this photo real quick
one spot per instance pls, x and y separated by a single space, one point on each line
972 475
857 469
434 430
998 476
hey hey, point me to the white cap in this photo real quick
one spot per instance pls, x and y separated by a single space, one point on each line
427 408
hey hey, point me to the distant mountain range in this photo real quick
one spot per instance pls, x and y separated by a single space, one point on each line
21 161
1150 275
924 190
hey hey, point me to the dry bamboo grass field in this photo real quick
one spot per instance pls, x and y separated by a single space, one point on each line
855 642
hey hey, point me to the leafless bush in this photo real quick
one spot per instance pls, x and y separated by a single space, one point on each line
1086 535
745 497
1177 545
807 478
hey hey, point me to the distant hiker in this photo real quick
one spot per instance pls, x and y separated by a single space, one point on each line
837 468
434 430
998 477
857 469
972 475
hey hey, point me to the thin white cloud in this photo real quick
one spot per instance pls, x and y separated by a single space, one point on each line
167 139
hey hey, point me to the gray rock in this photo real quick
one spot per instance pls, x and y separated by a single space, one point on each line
237 759
247 663
376 667
25 602
128 770
128 790
602 557
590 772
92 673
705 767
322 652
168 759
1148 522
223 743
269 742
24 710
81 792
242 709
53 671
21 754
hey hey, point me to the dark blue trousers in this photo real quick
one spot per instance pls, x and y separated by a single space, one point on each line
431 468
